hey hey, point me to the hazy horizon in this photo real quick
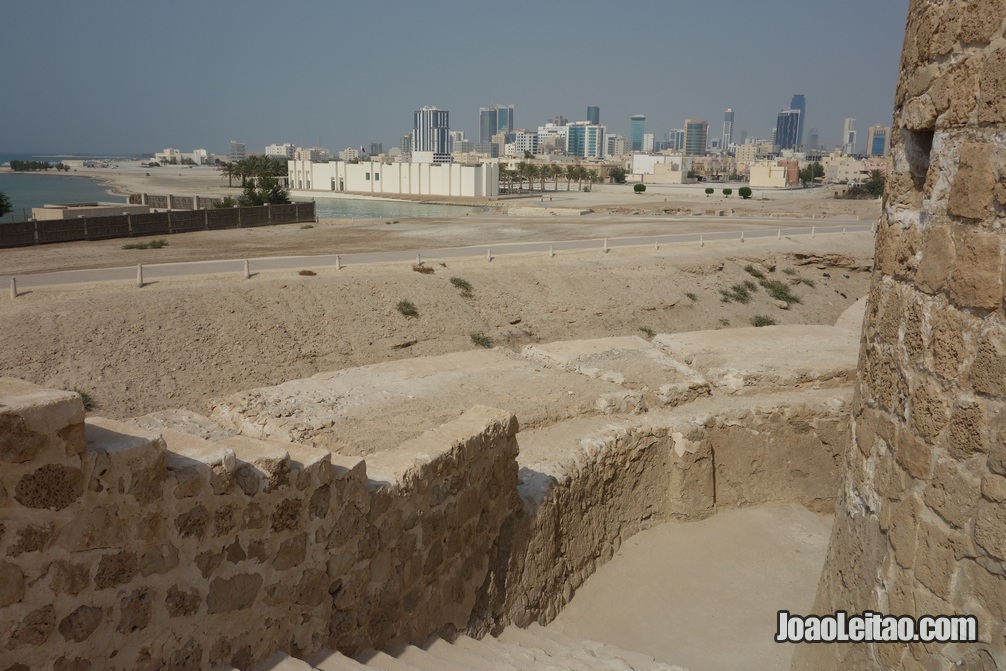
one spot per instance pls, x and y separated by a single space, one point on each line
200 75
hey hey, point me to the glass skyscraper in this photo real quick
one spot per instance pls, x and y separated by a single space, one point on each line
695 137
799 102
787 129
494 119
636 136
728 130
431 131
594 115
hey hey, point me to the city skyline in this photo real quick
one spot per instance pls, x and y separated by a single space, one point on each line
213 81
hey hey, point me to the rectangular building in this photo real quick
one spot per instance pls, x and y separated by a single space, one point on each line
584 139
419 179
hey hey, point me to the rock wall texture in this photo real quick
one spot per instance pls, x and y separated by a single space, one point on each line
116 553
128 548
921 522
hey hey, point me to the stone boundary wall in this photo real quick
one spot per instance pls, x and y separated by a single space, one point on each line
149 551
115 548
920 527
28 233
173 202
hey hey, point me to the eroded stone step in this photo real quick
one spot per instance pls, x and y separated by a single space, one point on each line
375 659
280 661
332 660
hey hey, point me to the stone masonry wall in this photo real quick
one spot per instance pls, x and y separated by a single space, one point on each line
119 552
921 522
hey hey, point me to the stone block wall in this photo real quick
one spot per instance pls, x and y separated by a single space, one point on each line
121 549
921 522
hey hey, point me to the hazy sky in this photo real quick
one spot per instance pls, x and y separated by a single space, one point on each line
131 76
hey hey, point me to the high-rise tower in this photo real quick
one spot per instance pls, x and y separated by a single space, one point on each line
787 129
696 131
728 129
849 136
636 136
431 133
799 102
594 115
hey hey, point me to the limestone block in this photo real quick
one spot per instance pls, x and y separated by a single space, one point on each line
969 429
80 624
903 532
947 346
990 529
261 465
953 493
135 456
988 373
94 528
955 92
196 462
34 629
116 569
977 281
919 114
979 20
939 553
621 402
929 410
32 417
992 88
236 593
994 488
973 187
51 486
11 584
937 259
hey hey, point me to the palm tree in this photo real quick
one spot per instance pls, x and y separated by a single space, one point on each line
579 175
228 170
544 172
570 174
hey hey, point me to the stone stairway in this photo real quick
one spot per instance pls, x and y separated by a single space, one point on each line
535 648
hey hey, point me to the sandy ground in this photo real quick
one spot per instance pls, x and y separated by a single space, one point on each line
179 343
704 595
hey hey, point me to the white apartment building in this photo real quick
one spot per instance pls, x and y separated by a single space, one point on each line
525 141
419 179
285 150
349 154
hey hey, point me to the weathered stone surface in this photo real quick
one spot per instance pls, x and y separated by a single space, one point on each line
193 523
115 569
69 578
992 87
11 584
953 493
930 410
80 624
51 486
135 611
973 189
937 260
35 629
969 429
237 593
180 602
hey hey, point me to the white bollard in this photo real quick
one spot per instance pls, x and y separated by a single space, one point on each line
13 287
742 236
656 244
873 227
489 255
702 240
778 235
606 245
338 262
813 231
419 259
551 252
843 230
139 275
247 270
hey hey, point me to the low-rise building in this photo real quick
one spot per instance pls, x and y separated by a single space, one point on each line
774 174
414 178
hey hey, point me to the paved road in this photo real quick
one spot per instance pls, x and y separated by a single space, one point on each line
160 271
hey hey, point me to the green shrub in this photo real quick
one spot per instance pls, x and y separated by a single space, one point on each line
639 188
648 331
481 340
88 400
710 191
727 192
407 308
779 291
762 320
744 192
738 292
754 272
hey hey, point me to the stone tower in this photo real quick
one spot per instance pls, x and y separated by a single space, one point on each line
920 527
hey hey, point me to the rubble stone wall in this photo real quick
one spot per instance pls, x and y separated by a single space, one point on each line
117 553
921 522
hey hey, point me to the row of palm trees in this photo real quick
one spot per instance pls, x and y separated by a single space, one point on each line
253 167
543 172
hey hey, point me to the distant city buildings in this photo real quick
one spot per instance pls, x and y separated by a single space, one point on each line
675 139
525 141
727 138
367 177
376 148
787 133
696 132
172 156
799 102
349 154
594 115
814 141
493 120
237 152
648 142
585 139
280 150
638 127
878 141
431 138
559 120
617 146
849 136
